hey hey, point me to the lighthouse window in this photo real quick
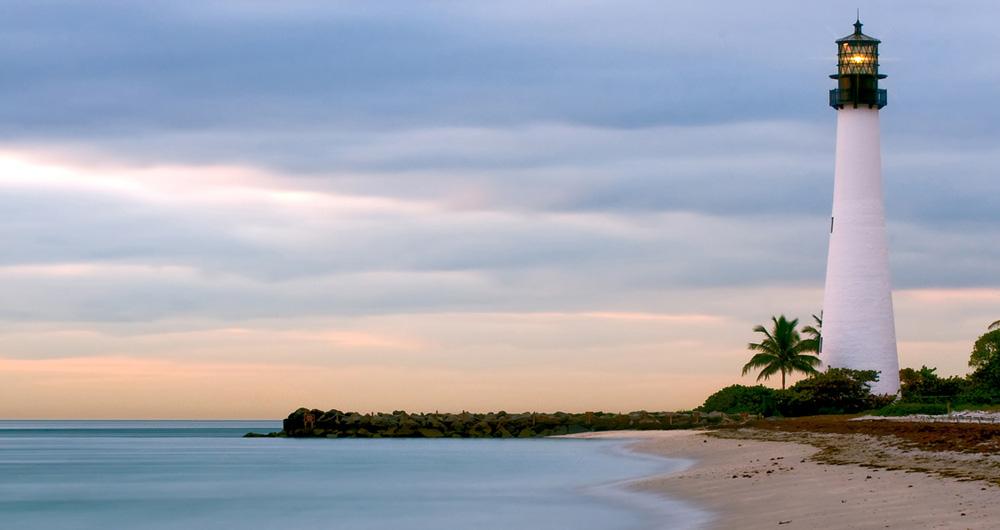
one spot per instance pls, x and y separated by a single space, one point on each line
831 224
858 59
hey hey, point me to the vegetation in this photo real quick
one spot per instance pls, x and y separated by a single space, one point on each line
782 351
815 333
981 387
737 399
925 386
842 391
985 359
905 409
835 391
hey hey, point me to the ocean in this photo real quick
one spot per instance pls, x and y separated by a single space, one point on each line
204 475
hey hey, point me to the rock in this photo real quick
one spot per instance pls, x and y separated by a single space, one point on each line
431 433
333 423
480 430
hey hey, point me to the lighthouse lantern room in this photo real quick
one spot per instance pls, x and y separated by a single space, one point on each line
857 72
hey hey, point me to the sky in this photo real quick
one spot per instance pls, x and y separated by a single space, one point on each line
233 209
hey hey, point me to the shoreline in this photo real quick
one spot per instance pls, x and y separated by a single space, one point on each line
748 483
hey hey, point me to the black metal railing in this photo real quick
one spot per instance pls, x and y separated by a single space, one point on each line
838 98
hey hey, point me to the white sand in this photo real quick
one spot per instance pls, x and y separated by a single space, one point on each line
777 486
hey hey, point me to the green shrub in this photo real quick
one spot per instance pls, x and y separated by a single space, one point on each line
979 394
905 409
736 399
925 386
835 391
984 382
985 359
878 401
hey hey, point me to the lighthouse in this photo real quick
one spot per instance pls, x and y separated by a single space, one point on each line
858 325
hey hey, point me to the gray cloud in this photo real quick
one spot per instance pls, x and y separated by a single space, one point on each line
700 130
113 68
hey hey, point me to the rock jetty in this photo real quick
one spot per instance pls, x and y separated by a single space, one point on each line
315 423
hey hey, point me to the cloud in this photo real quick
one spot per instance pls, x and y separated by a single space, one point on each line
158 242
467 187
473 104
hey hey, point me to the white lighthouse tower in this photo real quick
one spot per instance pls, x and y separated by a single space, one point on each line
858 326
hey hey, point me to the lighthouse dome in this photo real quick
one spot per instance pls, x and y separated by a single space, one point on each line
858 37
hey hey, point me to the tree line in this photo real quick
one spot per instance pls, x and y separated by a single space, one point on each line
784 349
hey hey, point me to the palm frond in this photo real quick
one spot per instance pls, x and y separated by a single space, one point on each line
768 371
767 334
807 346
761 360
764 347
806 363
783 349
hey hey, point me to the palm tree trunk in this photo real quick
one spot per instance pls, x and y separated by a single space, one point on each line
782 379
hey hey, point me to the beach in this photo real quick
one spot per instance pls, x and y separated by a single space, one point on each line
754 483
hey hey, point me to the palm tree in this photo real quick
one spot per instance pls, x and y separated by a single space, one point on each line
815 334
782 350
995 325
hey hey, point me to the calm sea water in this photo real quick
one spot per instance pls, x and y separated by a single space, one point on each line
174 474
